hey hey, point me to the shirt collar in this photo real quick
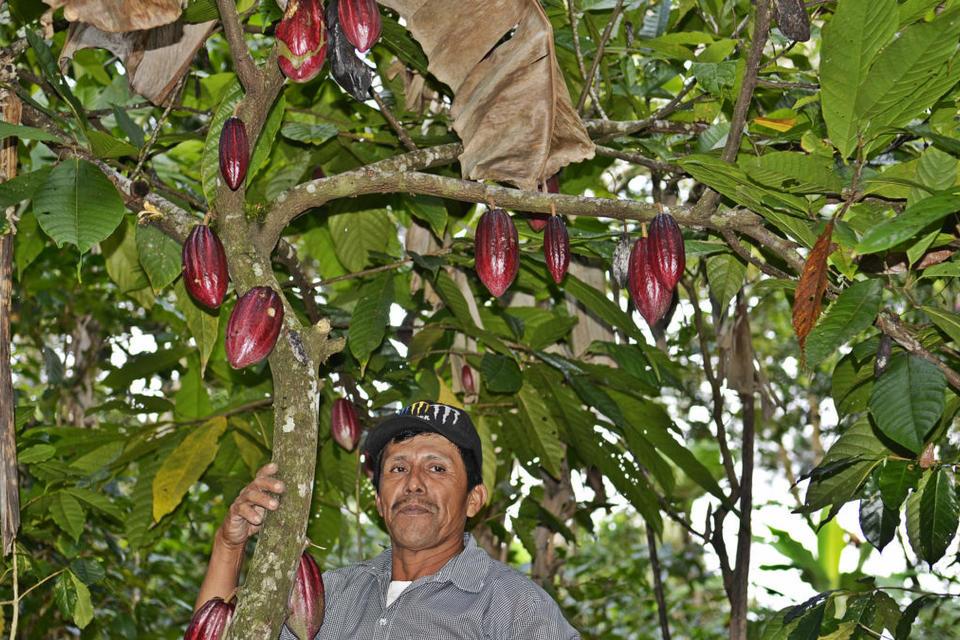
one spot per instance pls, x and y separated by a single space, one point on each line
466 570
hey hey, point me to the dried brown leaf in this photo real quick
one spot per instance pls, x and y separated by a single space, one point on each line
813 283
511 106
118 16
155 59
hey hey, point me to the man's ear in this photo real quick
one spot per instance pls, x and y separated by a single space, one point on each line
379 505
476 498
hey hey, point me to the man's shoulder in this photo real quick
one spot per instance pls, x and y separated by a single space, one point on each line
503 578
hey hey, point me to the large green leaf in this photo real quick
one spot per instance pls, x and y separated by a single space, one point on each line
948 321
78 205
793 171
855 455
210 160
185 465
24 132
939 513
357 233
370 317
878 522
122 257
73 598
912 220
68 513
429 209
907 400
268 135
500 374
28 243
540 428
203 324
160 256
897 479
309 133
598 303
851 41
22 187
725 273
853 312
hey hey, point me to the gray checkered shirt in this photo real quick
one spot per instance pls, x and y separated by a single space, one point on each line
473 597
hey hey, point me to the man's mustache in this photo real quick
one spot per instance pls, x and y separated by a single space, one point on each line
429 506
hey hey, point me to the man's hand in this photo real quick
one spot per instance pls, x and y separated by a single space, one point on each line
245 517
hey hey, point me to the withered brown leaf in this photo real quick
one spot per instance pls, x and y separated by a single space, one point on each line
813 283
511 106
118 16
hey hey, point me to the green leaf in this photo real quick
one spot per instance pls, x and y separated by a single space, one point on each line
948 321
23 187
540 429
210 159
68 513
793 171
370 317
397 39
897 479
99 458
910 615
309 133
73 598
500 374
203 324
200 11
192 401
939 513
907 400
98 501
130 128
851 41
160 256
144 365
599 304
878 522
912 220
78 205
48 64
725 274
123 259
105 146
356 234
854 311
268 135
36 453
185 465
429 209
24 132
857 443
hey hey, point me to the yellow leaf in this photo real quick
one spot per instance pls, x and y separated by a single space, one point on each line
777 124
447 396
184 466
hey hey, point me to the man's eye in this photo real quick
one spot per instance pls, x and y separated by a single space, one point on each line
439 468
397 468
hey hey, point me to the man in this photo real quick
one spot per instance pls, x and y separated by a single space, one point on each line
434 582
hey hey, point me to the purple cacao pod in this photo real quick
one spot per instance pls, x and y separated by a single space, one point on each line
205 267
648 293
302 39
466 380
667 255
360 21
210 620
306 602
253 327
344 424
496 251
234 152
556 248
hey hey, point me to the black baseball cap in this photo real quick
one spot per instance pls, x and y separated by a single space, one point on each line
428 417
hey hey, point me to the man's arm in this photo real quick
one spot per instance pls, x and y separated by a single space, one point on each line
244 520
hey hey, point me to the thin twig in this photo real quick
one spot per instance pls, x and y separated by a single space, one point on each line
23 595
740 250
636 158
145 150
588 81
286 254
781 84
392 119
658 585
373 270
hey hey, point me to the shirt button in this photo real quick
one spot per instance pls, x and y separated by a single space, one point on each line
382 621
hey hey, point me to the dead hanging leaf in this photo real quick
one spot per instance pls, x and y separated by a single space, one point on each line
511 106
119 16
739 357
155 59
812 285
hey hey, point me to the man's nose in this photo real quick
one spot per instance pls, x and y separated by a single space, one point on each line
414 482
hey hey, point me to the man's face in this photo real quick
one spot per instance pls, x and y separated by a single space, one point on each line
423 496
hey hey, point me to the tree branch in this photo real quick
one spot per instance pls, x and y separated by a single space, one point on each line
392 119
636 158
598 55
242 60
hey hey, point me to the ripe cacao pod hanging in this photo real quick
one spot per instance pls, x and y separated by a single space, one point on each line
667 254
253 327
649 295
556 248
205 267
538 221
306 602
347 69
210 620
360 21
234 152
344 424
466 380
302 40
620 262
496 251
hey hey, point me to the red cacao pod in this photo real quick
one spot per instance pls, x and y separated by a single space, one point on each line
306 602
210 620
556 248
253 327
496 251
344 424
648 293
667 254
302 40
466 380
234 152
205 267
360 21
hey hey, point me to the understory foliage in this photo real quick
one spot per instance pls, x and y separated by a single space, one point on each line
810 360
